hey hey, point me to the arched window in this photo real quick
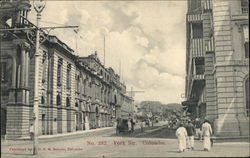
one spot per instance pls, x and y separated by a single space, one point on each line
96 110
58 100
115 99
67 102
247 96
42 100
76 104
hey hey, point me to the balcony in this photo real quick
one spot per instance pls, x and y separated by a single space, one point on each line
197 85
207 5
196 47
194 17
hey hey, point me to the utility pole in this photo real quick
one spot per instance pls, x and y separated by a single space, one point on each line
120 69
132 92
104 50
38 6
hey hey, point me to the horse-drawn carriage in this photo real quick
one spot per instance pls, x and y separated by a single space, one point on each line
122 126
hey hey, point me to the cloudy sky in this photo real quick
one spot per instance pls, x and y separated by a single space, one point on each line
147 38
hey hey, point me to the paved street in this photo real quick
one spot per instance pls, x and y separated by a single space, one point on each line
156 141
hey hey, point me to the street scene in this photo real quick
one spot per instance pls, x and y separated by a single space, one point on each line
124 78
154 142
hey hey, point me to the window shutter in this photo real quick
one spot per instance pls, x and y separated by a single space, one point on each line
245 33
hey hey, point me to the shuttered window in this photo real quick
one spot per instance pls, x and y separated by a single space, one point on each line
246 40
59 72
3 72
197 30
244 6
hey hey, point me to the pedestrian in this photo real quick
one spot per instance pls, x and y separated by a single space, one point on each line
133 125
142 126
190 132
181 134
197 125
206 133
129 126
118 124
31 131
99 123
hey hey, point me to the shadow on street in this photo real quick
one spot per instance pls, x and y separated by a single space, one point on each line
149 132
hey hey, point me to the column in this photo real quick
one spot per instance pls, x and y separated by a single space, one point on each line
27 69
26 85
13 83
23 67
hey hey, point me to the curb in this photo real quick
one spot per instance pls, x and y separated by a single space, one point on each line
46 137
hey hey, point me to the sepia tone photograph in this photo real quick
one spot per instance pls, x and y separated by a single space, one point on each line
124 78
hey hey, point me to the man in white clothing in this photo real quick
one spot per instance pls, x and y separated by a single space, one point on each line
129 126
206 133
181 134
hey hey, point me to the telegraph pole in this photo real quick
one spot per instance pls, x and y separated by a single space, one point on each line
104 50
38 6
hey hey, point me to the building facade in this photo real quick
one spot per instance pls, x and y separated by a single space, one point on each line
75 93
217 64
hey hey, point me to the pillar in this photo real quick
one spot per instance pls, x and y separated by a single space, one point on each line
23 67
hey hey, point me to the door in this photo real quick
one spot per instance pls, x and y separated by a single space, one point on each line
43 125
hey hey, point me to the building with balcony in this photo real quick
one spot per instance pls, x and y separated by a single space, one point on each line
217 64
75 93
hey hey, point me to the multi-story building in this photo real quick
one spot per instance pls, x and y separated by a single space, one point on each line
217 64
75 93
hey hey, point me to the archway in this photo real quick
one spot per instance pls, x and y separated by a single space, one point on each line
58 100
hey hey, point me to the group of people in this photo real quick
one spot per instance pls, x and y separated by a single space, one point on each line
125 125
186 132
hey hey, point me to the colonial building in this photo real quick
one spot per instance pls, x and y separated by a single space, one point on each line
75 93
217 64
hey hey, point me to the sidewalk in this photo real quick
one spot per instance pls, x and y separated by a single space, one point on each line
48 137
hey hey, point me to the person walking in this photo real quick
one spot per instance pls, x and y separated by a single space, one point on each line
129 126
206 133
142 125
181 134
190 132
31 131
133 125
197 125
118 125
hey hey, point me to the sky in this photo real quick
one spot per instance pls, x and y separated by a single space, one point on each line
144 41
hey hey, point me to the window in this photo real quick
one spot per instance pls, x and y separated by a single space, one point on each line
246 45
68 76
195 5
42 100
58 100
246 40
67 102
200 65
44 67
3 72
244 6
247 96
59 72
76 104
197 30
78 83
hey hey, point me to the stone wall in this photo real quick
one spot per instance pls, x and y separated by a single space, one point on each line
229 74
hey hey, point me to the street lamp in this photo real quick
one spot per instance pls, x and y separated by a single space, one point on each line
39 5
